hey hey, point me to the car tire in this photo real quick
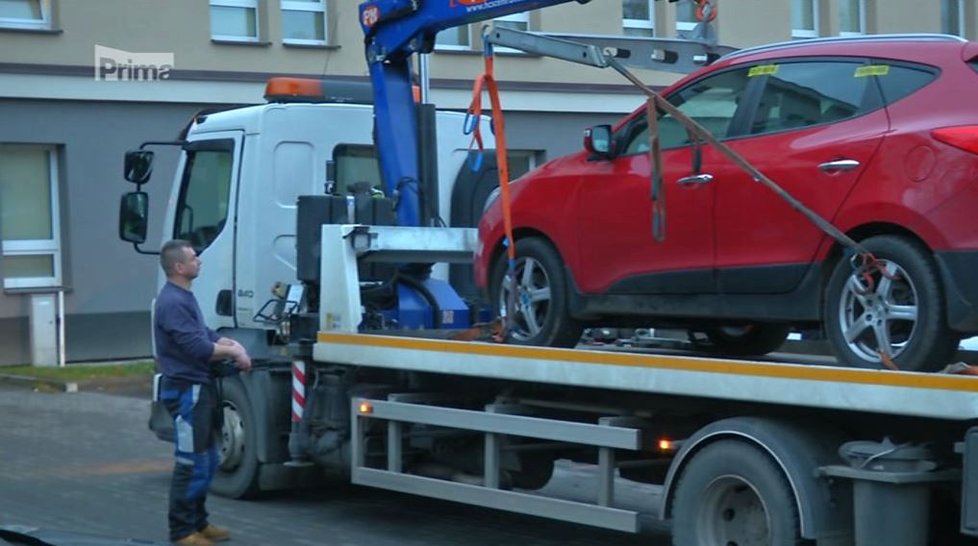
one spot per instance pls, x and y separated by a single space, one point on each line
237 472
749 340
543 318
906 306
731 492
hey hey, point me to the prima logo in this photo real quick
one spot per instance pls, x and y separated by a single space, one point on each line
116 65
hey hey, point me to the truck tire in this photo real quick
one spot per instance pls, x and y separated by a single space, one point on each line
237 471
733 493
543 318
909 307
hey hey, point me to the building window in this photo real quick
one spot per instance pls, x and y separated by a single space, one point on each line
234 20
454 38
952 17
304 22
685 17
852 17
461 37
29 217
804 18
522 162
638 18
516 21
29 14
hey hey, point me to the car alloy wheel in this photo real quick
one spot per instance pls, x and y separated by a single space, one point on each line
537 298
896 305
879 312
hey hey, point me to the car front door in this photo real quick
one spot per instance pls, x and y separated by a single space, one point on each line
620 255
816 127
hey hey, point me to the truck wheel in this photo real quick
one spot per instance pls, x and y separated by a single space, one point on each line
748 340
733 493
237 472
541 315
903 311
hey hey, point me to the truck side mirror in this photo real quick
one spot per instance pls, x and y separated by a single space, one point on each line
138 166
133 214
597 140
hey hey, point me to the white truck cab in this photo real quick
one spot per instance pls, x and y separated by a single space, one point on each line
241 172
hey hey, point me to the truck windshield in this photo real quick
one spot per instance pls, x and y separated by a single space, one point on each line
202 209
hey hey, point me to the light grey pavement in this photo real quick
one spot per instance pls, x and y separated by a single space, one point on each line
86 462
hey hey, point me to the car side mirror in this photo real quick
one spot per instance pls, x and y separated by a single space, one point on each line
597 140
133 214
138 166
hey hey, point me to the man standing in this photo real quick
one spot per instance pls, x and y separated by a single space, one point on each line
186 349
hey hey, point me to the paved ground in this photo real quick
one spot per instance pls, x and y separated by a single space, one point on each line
86 462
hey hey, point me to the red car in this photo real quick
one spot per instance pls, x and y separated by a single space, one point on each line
877 134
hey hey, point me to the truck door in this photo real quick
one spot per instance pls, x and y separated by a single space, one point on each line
204 214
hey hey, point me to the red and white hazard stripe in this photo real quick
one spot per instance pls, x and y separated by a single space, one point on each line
298 389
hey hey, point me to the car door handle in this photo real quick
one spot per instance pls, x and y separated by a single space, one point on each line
695 179
839 165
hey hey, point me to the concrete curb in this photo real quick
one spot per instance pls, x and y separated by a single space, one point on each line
131 383
38 383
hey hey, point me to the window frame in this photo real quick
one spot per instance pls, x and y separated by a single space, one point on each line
466 29
216 142
802 33
39 247
638 124
241 4
959 6
871 100
686 26
519 17
319 7
861 6
641 24
44 23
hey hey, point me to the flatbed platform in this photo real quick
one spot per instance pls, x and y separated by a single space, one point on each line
939 396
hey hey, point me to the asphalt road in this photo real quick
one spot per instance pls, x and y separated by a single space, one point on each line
86 462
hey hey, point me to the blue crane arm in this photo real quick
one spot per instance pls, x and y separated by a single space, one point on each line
393 31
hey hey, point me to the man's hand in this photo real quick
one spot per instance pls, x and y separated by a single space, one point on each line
226 347
243 361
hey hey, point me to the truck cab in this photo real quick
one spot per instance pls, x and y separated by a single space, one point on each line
240 175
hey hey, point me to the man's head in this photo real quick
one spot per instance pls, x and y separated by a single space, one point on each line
179 261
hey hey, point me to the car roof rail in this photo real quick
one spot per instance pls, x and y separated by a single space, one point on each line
906 37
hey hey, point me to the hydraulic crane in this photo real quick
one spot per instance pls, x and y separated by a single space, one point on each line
395 30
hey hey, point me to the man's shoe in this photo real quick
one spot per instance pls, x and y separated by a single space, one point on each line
194 539
214 533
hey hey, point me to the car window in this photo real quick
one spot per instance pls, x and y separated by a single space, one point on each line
801 94
897 82
712 102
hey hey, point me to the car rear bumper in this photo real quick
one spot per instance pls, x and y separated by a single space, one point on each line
959 274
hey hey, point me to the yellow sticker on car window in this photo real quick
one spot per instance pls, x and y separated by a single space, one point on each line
762 70
872 70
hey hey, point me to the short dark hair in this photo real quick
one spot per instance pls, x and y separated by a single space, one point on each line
171 254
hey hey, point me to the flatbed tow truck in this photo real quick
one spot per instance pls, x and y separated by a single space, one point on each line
744 452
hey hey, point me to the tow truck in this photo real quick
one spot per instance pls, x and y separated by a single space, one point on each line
772 452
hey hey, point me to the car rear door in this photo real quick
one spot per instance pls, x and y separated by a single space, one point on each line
815 129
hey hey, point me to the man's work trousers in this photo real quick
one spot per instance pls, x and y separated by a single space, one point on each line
196 420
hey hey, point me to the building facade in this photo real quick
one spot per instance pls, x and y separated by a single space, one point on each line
82 82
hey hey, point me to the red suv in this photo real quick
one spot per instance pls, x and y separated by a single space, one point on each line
877 134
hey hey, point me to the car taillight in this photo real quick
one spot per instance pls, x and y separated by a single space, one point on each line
964 137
